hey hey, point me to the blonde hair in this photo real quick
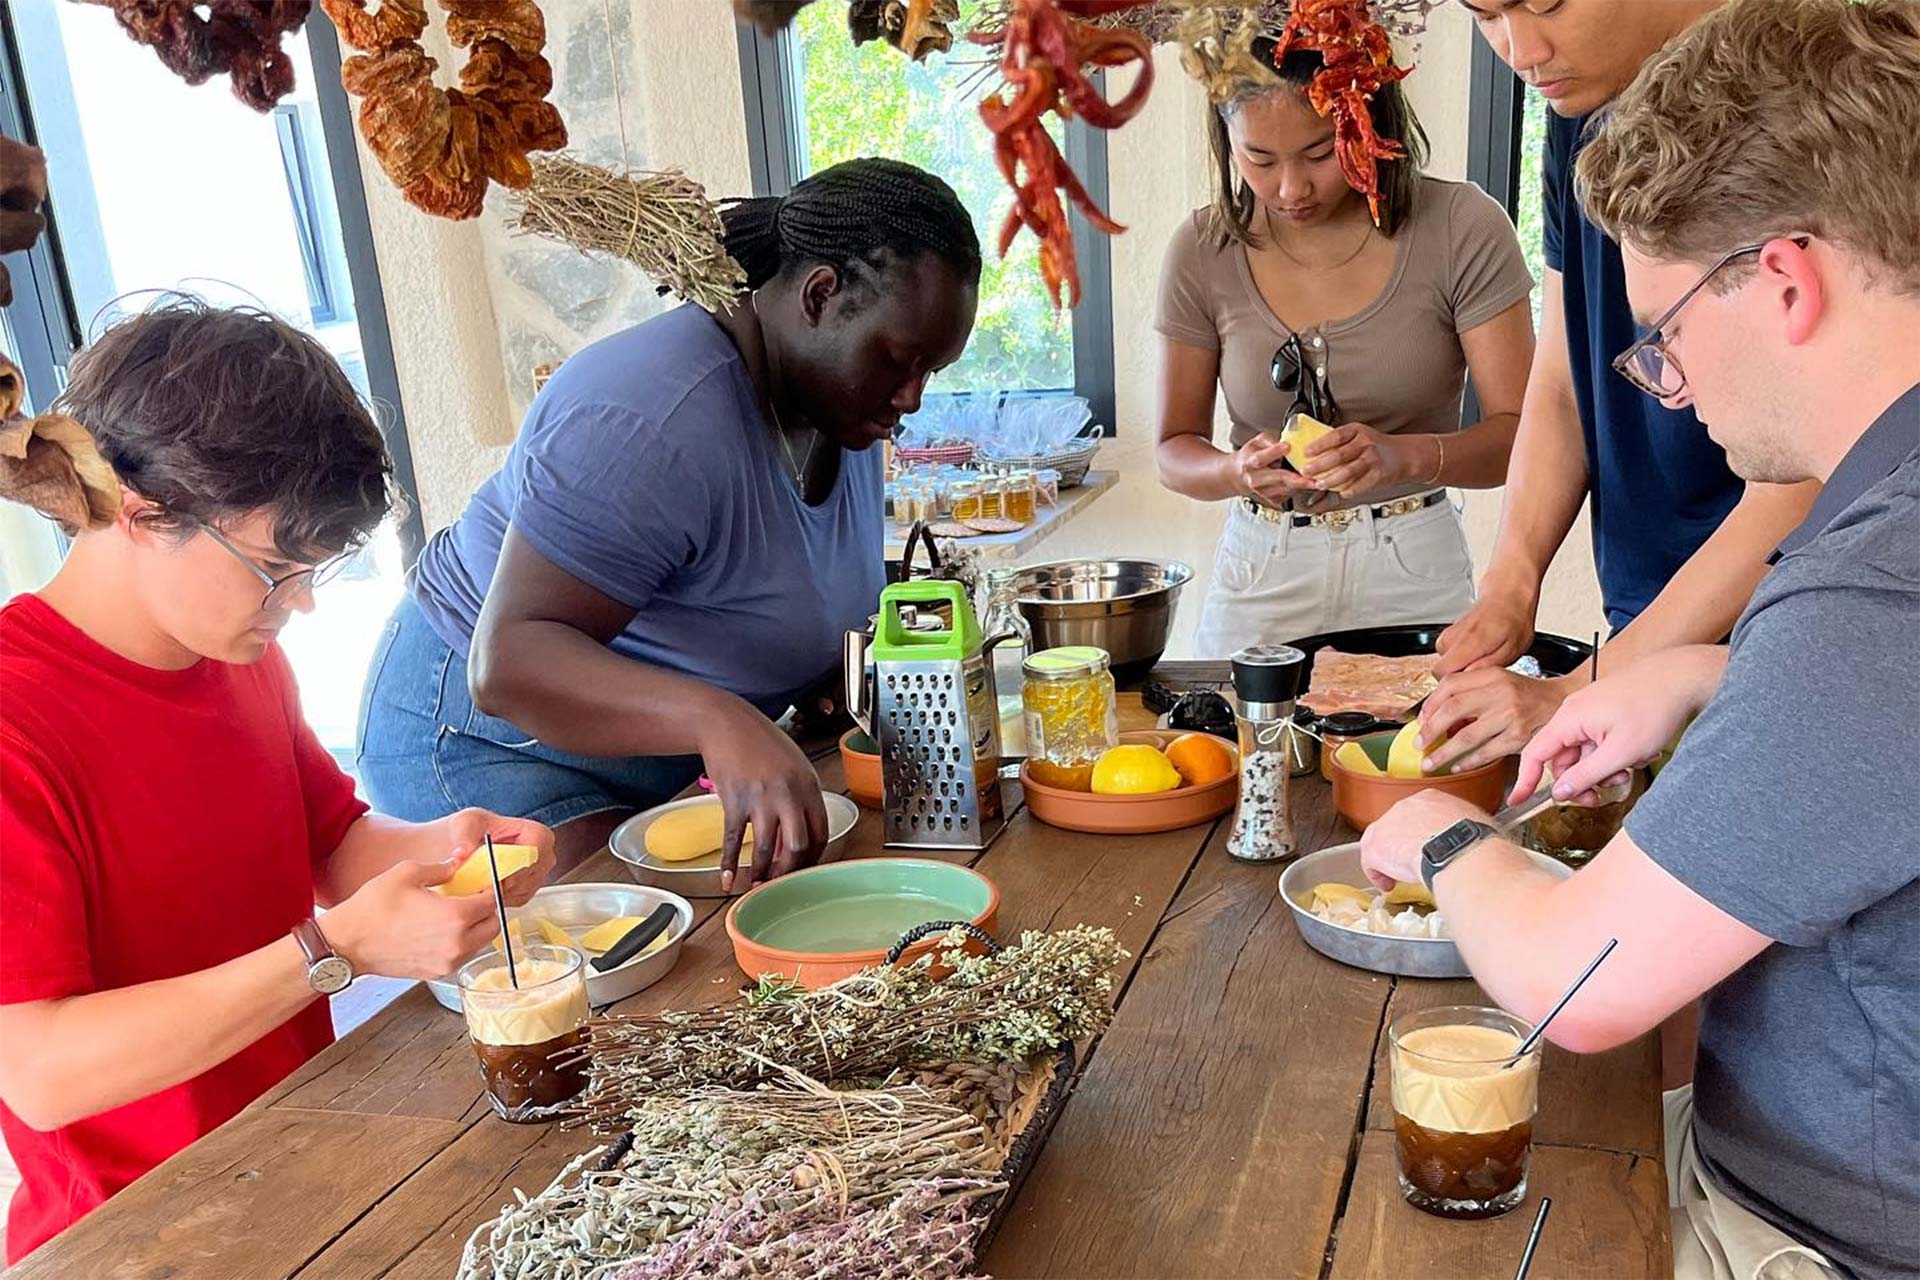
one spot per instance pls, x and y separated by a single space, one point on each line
1769 117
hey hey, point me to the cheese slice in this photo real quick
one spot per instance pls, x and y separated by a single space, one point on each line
474 876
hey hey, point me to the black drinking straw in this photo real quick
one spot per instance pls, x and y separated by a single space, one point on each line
1533 1037
1594 673
500 905
1533 1238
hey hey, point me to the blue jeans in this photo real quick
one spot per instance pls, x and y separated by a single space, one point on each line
424 750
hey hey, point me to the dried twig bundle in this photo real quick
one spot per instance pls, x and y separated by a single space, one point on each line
1009 1006
663 223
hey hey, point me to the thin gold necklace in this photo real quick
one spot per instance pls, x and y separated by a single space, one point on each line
780 428
1335 266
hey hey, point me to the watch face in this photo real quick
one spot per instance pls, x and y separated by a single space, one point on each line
329 975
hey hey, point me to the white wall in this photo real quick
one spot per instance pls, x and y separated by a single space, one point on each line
474 308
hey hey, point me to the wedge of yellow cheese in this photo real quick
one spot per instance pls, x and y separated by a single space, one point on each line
474 876
693 832
1301 434
1330 892
1353 757
1409 894
1404 756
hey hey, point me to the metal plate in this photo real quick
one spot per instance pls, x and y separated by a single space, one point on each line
1408 957
700 878
578 907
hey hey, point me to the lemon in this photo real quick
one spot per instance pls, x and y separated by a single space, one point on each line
1135 770
1405 757
1353 757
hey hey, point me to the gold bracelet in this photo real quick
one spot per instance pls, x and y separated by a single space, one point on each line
1440 443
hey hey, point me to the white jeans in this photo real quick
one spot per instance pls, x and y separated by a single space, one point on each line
1273 583
1713 1237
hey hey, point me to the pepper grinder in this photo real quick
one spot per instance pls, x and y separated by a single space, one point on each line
1266 679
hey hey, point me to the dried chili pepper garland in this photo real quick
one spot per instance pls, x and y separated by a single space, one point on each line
199 39
1046 49
1357 60
442 147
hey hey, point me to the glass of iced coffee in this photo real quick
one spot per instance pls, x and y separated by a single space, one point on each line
527 1037
1463 1118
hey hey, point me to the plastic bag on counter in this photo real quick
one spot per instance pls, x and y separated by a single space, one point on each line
941 420
1032 426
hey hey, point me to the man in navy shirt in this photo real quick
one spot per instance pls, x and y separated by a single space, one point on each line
1679 541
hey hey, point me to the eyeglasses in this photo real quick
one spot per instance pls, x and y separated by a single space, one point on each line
1294 375
1647 364
282 590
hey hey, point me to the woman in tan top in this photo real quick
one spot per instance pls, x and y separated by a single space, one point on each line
1286 296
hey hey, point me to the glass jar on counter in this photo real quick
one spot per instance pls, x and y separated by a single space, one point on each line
1017 496
992 497
1342 727
966 500
1071 719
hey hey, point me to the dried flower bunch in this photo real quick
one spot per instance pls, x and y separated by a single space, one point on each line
199 39
1050 989
442 147
793 1152
663 223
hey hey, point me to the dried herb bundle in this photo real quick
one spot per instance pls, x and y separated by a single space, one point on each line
1049 989
798 1148
923 1234
663 223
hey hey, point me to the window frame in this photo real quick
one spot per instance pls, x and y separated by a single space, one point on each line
775 153
45 321
1496 105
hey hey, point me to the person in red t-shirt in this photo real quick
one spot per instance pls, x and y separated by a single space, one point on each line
167 820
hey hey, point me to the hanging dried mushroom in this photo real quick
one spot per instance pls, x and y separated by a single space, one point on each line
51 464
200 39
442 147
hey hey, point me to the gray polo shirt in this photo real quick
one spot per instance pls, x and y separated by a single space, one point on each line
1793 805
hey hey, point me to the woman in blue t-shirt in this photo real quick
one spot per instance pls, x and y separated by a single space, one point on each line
689 521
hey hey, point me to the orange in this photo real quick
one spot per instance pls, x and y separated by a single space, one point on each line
1200 758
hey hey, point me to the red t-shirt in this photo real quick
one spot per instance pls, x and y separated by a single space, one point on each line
152 824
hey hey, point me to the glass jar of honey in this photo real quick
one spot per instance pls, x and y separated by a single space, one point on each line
966 500
1071 720
1018 497
992 495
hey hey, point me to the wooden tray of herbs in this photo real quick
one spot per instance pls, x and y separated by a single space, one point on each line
876 1129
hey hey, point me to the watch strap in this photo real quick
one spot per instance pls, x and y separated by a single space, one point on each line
1440 851
313 943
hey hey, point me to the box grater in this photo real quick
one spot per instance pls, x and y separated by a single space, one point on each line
936 719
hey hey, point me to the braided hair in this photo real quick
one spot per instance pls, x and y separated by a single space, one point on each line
856 217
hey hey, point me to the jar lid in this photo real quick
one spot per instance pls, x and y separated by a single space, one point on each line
1305 716
1069 660
1349 723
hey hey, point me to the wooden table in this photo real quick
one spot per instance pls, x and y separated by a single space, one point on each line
1231 1123
1046 522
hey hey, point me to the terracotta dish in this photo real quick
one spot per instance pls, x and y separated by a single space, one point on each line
1131 815
1361 798
822 924
860 762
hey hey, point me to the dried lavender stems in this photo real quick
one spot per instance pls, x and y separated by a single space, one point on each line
1050 989
663 223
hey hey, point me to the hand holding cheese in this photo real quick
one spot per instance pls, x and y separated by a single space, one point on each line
475 876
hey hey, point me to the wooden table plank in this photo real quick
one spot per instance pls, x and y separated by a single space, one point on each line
1609 1222
1610 1101
1209 1135
422 1230
253 1200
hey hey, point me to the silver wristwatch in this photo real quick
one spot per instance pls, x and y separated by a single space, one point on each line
327 970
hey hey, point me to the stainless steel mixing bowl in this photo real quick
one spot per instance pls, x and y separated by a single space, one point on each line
1123 606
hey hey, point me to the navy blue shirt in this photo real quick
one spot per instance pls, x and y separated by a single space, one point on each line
1659 485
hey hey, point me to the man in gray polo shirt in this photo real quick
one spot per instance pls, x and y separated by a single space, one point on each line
1773 871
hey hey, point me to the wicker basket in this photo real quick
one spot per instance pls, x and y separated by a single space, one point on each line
949 455
1072 464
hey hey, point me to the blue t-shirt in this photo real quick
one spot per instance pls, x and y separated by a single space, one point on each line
647 470
1791 806
1659 485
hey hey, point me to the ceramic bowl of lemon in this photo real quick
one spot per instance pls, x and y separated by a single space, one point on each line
590 918
677 846
1154 780
1374 773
